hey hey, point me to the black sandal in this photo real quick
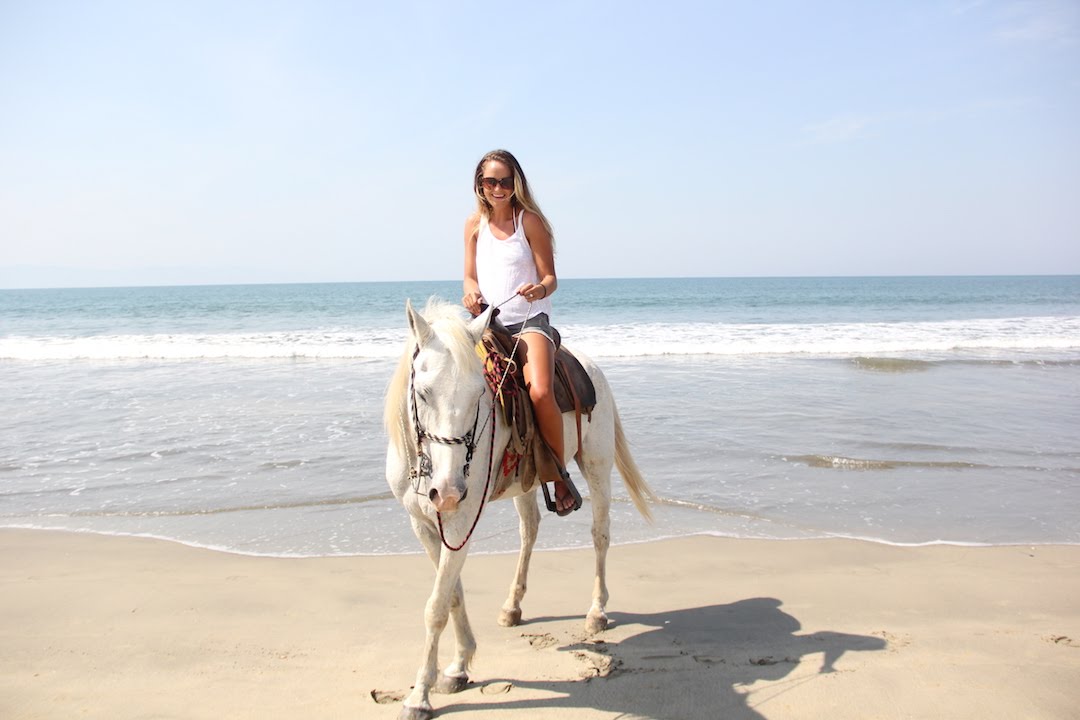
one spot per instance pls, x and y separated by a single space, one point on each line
550 503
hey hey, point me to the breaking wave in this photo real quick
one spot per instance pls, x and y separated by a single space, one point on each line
872 346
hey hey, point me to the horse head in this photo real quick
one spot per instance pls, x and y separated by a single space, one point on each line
447 390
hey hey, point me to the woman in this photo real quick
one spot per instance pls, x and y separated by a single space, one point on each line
510 263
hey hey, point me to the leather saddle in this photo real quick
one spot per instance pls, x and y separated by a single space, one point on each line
527 457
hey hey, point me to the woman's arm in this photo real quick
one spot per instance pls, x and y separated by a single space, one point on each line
472 297
543 255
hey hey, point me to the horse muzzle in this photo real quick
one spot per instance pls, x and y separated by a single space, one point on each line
446 495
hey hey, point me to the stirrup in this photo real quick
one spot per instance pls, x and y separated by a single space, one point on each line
550 503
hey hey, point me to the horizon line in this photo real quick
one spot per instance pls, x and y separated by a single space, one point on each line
569 278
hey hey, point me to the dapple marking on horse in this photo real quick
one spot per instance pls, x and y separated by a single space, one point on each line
440 378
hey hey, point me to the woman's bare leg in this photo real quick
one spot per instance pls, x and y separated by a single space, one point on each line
538 357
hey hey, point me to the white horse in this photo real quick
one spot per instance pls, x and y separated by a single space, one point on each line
446 444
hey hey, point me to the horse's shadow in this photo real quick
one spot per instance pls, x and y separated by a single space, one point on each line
692 663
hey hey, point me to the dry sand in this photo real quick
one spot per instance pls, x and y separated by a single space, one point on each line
105 627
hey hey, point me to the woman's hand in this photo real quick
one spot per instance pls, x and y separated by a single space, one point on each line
472 302
532 291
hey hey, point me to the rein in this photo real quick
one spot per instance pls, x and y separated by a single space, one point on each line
423 462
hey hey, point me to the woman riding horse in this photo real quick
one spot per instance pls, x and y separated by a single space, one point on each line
510 262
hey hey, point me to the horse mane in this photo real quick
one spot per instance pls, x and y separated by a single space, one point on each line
450 326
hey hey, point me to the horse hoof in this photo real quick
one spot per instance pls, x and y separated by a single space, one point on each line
450 684
415 713
596 623
510 618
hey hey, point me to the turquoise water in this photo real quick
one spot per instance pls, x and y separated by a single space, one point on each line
248 418
364 307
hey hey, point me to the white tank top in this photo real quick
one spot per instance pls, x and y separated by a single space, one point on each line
502 266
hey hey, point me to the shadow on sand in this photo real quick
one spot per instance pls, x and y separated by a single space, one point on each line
685 664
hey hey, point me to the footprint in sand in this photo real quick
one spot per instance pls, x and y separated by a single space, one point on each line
597 665
540 641
770 660
496 688
709 660
386 697
893 642
1062 640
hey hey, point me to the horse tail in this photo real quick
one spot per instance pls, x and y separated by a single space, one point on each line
640 492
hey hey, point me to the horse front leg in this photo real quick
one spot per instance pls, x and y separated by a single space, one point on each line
528 526
455 678
446 597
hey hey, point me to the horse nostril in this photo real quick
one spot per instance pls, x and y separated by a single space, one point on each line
464 493
432 494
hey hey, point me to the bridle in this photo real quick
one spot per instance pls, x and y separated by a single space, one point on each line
423 466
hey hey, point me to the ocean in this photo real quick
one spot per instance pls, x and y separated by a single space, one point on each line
248 418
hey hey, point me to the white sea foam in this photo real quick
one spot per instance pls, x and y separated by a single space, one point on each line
830 339
1019 334
211 346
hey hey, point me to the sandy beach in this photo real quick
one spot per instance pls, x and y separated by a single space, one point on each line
108 627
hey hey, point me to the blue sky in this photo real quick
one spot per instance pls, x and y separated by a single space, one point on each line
202 142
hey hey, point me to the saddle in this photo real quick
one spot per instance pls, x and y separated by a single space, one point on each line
527 457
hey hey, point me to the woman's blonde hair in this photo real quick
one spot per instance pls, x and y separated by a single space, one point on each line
522 198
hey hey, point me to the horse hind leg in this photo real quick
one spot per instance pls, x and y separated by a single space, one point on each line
598 475
528 525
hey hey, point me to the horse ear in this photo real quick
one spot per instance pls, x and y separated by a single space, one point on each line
417 324
480 323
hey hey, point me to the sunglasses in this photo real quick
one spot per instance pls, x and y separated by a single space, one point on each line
506 183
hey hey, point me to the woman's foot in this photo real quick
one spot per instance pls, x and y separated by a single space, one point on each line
567 498
564 499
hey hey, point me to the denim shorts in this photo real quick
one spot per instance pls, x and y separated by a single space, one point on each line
538 323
